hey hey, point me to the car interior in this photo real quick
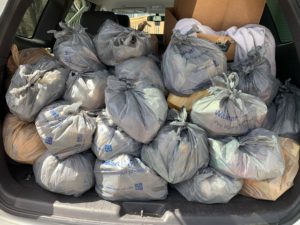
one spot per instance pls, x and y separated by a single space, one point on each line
21 196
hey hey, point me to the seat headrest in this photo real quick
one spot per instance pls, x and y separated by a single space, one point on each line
123 20
92 20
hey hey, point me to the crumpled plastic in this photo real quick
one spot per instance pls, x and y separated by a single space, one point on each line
128 178
35 86
65 128
256 155
179 150
137 108
209 186
72 176
115 43
75 49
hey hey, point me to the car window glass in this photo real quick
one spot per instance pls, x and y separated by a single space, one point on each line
2 6
77 9
31 18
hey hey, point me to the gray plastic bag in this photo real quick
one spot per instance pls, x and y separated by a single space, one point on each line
270 119
115 43
127 178
87 88
189 63
75 49
65 129
209 186
228 111
138 108
179 149
287 122
110 141
72 176
141 69
34 87
255 76
255 156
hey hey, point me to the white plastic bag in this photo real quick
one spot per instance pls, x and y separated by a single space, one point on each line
255 156
87 88
128 178
138 108
72 176
209 186
228 111
34 87
75 49
65 129
110 141
179 150
115 43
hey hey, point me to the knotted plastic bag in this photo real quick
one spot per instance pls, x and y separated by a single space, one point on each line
189 63
141 69
21 141
35 86
65 128
179 149
115 43
272 189
255 76
75 49
138 108
287 122
87 88
110 141
228 111
72 176
127 178
209 186
255 156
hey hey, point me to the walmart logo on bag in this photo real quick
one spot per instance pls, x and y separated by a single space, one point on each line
48 140
138 186
107 148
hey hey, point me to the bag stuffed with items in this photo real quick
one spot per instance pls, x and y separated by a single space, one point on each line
141 69
115 43
75 49
109 140
256 155
87 88
228 111
65 128
72 176
21 141
128 178
272 189
138 108
209 186
35 86
189 63
179 149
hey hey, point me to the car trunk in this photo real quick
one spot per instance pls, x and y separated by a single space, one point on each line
21 196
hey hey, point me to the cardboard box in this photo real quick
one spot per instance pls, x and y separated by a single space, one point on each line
221 14
170 22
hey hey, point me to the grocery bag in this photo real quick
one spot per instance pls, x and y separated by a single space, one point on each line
35 86
110 141
115 43
209 186
128 178
21 141
256 155
87 88
72 176
137 108
179 150
75 49
65 128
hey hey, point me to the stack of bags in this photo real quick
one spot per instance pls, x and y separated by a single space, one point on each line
96 115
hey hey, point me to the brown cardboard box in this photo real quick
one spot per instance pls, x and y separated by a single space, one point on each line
221 14
170 22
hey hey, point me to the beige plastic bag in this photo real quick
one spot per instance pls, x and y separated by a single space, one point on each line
21 140
274 188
